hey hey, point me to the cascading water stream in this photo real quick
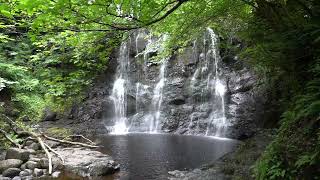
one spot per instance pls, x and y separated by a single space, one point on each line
122 122
157 99
218 118
119 93
207 82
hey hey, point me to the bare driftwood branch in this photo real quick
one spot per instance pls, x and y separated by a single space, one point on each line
10 122
69 142
49 156
140 24
5 134
55 152
80 136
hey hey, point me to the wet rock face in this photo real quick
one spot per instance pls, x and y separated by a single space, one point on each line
186 104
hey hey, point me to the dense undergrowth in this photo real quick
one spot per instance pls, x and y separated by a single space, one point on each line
284 45
51 72
295 152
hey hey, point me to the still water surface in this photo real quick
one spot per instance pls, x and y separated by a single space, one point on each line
151 156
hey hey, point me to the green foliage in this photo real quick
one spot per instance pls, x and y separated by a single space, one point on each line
52 70
283 46
191 20
295 152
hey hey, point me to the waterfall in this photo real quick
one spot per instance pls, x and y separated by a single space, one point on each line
138 93
147 118
119 93
217 117
208 83
157 99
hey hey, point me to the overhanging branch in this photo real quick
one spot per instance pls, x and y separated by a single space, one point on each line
141 24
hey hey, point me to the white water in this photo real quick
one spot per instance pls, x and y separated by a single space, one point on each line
119 93
217 117
207 80
157 99
141 91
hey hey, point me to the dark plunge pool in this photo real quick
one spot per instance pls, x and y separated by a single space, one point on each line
151 156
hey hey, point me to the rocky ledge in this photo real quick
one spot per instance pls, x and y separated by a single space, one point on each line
31 163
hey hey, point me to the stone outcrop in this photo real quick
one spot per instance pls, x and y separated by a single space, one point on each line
246 103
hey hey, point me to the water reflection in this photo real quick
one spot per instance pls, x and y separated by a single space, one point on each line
151 156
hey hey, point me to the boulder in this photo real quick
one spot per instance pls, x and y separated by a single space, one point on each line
26 172
86 163
32 152
16 178
9 163
23 166
32 165
38 172
4 178
52 144
56 174
56 163
11 172
27 178
49 115
16 153
34 146
35 159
